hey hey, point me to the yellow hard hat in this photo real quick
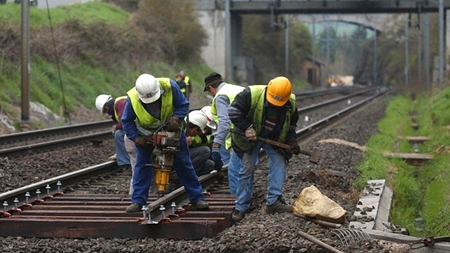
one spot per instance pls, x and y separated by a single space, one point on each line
278 91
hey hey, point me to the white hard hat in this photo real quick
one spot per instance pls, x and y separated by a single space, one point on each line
101 100
198 118
147 87
209 117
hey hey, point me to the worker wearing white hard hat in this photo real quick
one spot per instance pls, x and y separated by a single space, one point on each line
199 143
152 103
209 117
106 104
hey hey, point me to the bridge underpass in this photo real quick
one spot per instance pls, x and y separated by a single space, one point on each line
222 20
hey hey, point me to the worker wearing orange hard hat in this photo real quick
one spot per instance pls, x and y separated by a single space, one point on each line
267 111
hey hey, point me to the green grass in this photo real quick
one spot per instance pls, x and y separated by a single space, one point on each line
89 13
419 192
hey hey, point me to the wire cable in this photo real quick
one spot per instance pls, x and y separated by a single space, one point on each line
66 111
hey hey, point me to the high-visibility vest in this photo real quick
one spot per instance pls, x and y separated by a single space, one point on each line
229 90
115 112
257 109
145 119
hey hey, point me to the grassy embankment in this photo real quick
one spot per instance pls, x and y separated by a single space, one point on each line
81 79
421 200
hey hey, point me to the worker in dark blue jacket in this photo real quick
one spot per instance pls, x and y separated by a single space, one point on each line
151 104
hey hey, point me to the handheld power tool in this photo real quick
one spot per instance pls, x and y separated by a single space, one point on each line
166 145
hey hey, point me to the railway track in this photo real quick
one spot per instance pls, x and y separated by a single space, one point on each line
77 213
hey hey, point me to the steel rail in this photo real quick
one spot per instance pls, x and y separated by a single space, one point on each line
55 131
104 135
327 91
334 100
55 184
94 138
306 131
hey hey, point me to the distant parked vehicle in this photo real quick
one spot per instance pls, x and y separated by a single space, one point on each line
32 2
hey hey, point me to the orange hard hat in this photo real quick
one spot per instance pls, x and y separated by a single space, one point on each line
278 91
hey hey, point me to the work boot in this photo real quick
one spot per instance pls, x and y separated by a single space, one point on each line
237 215
279 206
135 207
201 205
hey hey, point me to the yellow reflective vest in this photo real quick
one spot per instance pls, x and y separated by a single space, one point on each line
145 119
229 90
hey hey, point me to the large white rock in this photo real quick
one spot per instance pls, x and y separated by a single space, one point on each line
312 203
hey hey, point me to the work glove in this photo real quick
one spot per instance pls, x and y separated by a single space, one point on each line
143 141
250 134
294 148
173 124
113 130
216 157
215 146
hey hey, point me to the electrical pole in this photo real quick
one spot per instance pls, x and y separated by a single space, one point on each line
427 50
375 59
314 51
406 54
441 41
286 32
25 66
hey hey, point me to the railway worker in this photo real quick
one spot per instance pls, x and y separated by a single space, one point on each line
198 143
114 108
210 129
125 148
187 80
154 102
211 125
267 111
224 94
181 83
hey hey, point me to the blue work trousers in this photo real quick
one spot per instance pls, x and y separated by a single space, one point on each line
277 176
224 155
182 165
234 167
122 156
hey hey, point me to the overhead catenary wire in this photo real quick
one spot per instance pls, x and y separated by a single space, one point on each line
66 111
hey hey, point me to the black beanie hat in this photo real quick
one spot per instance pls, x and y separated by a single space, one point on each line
211 79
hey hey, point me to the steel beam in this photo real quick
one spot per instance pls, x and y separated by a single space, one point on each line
334 7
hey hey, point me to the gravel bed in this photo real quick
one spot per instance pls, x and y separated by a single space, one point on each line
258 231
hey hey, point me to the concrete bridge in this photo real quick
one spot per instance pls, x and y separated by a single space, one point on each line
222 20
370 21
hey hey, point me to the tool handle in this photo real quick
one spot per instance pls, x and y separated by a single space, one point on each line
283 145
278 144
275 143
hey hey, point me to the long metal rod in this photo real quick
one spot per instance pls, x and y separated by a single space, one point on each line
427 50
318 242
286 48
228 50
375 58
441 41
406 54
419 42
314 51
25 64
